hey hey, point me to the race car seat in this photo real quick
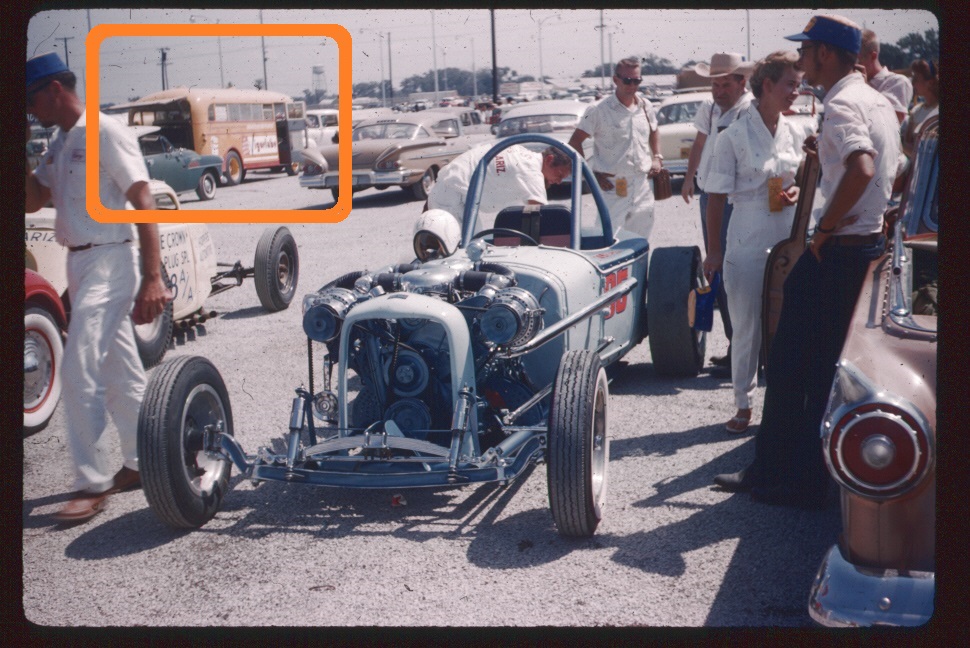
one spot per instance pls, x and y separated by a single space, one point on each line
547 224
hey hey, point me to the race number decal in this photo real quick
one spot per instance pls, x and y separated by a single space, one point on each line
612 280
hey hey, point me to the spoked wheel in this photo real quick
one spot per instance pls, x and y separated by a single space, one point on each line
676 348
276 268
579 448
184 484
43 352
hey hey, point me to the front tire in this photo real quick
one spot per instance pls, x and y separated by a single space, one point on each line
579 448
43 353
676 348
154 338
183 484
206 190
276 269
422 187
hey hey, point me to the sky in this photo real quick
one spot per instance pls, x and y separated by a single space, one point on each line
421 39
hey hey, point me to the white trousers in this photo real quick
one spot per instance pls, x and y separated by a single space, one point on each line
633 212
752 232
102 372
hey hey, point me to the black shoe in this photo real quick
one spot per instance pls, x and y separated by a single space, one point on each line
739 482
721 361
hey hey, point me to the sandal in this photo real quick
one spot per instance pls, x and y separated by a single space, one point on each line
739 423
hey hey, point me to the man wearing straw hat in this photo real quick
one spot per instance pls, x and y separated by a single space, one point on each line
102 373
728 72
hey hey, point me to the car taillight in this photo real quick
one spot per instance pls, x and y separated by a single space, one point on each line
311 169
388 165
194 164
875 443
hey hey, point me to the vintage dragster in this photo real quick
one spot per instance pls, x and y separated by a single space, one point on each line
459 370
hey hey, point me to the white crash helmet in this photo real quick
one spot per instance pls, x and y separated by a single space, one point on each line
436 235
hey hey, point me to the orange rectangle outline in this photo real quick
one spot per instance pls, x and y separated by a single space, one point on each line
334 214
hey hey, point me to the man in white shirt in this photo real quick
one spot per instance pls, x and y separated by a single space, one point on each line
858 151
515 176
897 88
626 150
729 73
101 372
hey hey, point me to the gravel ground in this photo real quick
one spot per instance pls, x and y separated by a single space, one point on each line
671 551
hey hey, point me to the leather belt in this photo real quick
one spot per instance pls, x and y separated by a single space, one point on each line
854 240
81 248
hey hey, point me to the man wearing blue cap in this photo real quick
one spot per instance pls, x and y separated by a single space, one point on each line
858 149
101 372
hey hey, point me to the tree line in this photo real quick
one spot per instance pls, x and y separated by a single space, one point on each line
461 82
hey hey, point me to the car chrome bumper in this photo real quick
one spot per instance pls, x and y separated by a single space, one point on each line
362 179
845 595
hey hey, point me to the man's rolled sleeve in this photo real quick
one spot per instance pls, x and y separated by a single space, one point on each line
848 130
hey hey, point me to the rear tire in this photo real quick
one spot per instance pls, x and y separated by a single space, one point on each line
276 268
422 187
676 348
579 448
44 350
183 484
234 169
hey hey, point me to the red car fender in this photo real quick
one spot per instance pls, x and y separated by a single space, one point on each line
38 290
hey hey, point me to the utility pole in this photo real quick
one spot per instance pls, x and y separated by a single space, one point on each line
390 73
262 40
67 58
434 59
491 13
602 60
164 51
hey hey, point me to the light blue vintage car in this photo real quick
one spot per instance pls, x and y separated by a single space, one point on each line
455 371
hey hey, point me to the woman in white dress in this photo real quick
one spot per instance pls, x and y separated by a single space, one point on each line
754 163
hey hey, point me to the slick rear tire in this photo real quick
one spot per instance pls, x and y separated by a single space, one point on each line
676 348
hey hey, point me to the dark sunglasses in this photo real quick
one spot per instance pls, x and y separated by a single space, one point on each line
804 48
631 80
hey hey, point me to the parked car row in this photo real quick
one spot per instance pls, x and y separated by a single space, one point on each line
404 150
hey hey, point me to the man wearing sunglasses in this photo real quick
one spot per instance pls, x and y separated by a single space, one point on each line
102 373
626 150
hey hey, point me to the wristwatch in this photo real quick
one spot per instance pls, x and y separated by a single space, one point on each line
658 156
